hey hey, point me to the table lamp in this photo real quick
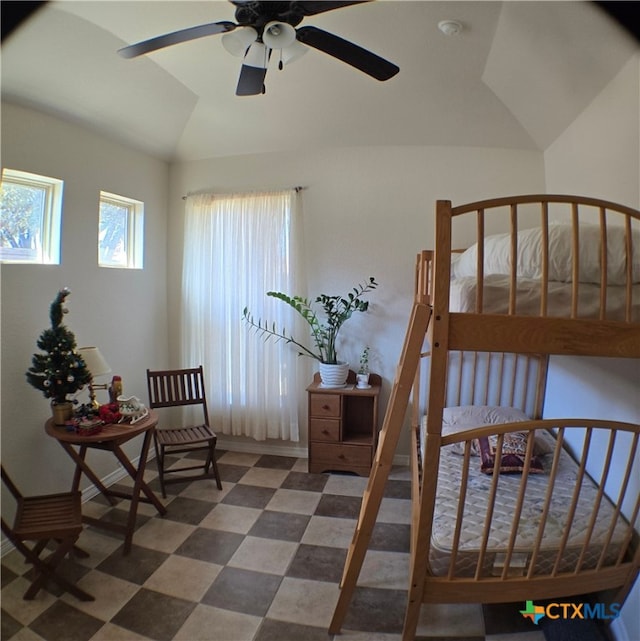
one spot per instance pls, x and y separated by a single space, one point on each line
97 366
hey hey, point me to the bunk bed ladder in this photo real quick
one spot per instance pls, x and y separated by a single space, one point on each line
387 443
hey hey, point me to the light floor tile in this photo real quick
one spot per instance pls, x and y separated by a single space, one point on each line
26 634
264 477
296 501
264 555
294 598
231 518
183 577
111 632
163 535
18 608
98 545
394 511
301 465
450 620
206 490
388 570
206 623
329 531
346 485
111 594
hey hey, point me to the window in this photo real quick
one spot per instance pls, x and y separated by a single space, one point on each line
30 218
120 232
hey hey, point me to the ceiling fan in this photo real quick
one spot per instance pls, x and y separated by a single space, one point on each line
266 26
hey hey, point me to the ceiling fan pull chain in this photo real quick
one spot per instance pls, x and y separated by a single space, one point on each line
280 63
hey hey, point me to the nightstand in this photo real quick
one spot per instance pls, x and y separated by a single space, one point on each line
343 426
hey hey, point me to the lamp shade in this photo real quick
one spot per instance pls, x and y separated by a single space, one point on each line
94 361
257 56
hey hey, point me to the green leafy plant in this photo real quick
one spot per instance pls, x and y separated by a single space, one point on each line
59 371
336 310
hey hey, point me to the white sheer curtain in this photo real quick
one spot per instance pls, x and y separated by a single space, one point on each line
236 248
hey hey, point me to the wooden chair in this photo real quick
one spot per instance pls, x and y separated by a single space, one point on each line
41 519
176 388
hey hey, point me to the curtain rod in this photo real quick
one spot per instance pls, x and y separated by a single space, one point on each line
195 193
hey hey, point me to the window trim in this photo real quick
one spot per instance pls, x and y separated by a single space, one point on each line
51 226
134 241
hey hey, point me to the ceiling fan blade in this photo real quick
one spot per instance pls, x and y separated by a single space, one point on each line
313 7
348 52
251 81
176 37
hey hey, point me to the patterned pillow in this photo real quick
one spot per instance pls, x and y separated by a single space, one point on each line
514 451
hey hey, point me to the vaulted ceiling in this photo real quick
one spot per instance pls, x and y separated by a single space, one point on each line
515 76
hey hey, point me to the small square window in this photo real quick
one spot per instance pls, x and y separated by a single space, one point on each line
120 232
30 218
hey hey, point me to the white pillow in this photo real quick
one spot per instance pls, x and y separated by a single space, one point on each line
497 254
466 417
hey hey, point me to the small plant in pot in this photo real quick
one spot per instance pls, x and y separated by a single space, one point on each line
336 310
362 377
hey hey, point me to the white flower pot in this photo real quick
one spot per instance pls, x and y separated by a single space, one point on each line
334 375
362 381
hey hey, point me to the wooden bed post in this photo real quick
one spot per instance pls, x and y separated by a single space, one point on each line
389 434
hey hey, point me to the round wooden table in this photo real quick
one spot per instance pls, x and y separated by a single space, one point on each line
111 438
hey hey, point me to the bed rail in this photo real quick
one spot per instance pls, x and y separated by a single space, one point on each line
562 538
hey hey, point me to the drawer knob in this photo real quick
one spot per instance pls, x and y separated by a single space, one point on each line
326 407
341 456
326 432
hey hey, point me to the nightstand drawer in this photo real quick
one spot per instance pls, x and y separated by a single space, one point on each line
340 455
324 429
324 405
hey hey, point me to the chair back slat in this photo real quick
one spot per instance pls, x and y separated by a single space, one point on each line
177 388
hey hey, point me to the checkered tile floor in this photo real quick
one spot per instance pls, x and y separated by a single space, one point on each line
258 561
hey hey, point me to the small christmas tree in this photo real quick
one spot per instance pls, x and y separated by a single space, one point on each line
59 371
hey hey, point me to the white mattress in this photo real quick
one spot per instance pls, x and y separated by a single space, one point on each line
496 298
444 521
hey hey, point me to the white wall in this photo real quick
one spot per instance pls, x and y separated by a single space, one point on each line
367 212
599 155
124 312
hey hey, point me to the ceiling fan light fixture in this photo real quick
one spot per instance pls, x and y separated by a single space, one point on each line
293 52
278 35
237 42
257 56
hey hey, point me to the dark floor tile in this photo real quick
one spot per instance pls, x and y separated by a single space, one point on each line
344 507
280 525
62 621
212 546
119 517
272 630
9 575
232 473
505 618
136 567
375 610
390 537
68 568
318 563
304 481
397 489
243 591
9 626
276 462
186 510
154 615
249 496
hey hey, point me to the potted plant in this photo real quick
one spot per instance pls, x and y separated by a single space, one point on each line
336 310
362 377
59 371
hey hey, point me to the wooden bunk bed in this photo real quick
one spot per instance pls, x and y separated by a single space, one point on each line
508 506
